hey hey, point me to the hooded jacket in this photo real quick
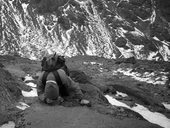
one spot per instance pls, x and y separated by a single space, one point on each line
71 86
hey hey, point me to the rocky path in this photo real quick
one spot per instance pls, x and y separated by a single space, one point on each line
43 116
101 74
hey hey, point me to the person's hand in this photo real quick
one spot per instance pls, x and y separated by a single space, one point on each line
60 99
49 101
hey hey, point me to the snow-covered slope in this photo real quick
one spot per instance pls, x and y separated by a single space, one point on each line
108 28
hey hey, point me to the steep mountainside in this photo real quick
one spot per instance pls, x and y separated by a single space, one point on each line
108 28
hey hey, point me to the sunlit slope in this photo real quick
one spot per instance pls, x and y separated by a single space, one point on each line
108 28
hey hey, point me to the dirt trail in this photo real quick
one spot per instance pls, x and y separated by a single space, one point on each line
99 72
43 116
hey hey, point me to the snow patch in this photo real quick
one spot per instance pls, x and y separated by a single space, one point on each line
167 106
156 38
151 55
93 63
137 32
153 117
32 93
120 31
101 69
10 124
31 84
121 94
22 105
116 102
126 53
153 17
146 77
24 6
28 78
118 18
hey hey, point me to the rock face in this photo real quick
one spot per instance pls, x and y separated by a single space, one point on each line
108 28
9 90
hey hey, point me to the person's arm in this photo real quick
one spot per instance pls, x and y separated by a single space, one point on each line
72 86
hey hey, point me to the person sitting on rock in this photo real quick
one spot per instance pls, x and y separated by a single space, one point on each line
54 82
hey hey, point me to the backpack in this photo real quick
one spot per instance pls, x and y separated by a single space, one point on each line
52 63
62 89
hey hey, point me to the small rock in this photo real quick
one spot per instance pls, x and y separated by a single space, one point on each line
127 99
1 65
168 94
28 123
113 91
110 89
168 86
131 60
22 78
119 98
139 84
121 109
132 104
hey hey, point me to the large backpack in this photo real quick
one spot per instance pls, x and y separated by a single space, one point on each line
52 63
62 89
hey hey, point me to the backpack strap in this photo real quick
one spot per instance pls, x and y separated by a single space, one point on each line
44 78
62 88
57 78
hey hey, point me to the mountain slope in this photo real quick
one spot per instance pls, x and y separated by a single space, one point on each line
108 28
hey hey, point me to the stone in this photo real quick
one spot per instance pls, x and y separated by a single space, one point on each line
131 60
1 65
121 42
127 98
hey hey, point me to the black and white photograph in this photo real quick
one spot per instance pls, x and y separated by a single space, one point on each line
84 63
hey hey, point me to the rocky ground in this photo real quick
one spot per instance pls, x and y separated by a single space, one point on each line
97 76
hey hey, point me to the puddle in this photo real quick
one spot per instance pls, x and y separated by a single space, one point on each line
10 124
153 117
22 106
167 106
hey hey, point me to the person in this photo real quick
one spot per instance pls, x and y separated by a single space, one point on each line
53 85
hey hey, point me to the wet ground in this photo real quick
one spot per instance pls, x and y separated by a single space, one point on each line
133 84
